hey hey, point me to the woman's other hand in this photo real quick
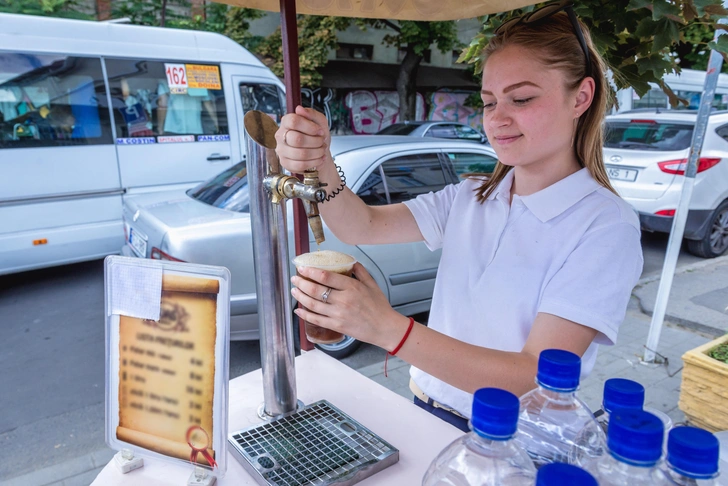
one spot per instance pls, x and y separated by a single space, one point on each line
357 308
303 140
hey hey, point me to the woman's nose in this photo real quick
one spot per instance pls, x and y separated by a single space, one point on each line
498 116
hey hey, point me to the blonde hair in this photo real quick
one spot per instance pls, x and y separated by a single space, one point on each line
554 41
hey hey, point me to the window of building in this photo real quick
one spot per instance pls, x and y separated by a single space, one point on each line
720 102
654 98
357 52
152 98
51 100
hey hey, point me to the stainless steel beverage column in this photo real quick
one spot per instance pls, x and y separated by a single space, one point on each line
272 281
269 191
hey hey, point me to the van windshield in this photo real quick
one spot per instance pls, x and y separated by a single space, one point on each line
648 135
227 190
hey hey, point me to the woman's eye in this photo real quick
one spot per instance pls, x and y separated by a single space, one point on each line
488 106
522 101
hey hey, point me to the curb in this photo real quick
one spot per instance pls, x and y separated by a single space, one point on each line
76 471
687 323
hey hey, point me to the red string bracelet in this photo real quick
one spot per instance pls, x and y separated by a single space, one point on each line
399 346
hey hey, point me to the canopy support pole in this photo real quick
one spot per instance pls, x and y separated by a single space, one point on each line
681 214
292 80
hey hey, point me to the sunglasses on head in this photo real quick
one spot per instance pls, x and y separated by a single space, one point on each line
545 12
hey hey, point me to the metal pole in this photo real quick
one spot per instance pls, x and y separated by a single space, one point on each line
272 280
292 80
681 214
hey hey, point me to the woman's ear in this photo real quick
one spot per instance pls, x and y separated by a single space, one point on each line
584 96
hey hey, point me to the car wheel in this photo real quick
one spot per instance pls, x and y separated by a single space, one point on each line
342 349
715 241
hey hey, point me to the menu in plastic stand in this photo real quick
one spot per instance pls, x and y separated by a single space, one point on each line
167 345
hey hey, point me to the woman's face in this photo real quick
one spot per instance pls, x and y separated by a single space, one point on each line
528 114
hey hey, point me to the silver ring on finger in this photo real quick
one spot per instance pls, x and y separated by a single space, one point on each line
325 295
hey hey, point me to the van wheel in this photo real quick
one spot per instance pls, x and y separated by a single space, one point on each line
342 349
715 241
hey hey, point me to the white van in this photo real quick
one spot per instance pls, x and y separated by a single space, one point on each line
687 85
92 113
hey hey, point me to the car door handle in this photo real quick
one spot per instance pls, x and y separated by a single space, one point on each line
215 157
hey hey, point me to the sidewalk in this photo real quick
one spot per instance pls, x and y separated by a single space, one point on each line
696 313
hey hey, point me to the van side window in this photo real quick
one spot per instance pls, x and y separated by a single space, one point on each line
262 97
152 98
52 100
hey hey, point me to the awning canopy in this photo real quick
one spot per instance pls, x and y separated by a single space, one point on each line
428 10
371 75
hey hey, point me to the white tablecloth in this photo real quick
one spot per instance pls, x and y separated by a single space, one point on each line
418 435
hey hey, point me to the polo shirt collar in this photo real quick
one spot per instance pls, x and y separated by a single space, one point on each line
551 201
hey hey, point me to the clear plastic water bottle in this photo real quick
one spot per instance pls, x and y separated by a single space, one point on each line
560 474
692 457
635 447
552 415
620 393
487 456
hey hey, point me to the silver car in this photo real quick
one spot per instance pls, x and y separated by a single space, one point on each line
435 129
210 223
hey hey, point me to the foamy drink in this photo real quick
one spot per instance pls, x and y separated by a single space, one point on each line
332 261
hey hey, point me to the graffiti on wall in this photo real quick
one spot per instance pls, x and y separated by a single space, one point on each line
370 111
450 106
320 99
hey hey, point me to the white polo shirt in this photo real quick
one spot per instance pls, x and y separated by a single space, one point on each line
572 250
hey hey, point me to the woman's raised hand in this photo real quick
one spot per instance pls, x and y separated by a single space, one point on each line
303 140
355 307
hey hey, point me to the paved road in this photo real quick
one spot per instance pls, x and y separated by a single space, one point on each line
52 361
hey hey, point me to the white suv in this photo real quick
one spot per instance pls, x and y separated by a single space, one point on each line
646 152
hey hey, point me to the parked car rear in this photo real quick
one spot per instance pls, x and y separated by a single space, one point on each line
645 152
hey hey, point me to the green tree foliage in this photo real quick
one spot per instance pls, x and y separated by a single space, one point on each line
151 12
692 51
638 38
237 26
415 38
316 37
68 9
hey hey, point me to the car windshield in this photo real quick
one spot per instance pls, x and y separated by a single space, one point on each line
398 129
227 190
648 135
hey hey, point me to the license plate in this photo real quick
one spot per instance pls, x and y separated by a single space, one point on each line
137 242
617 174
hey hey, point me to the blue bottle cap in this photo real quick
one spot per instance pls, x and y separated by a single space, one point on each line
621 393
558 370
559 474
495 413
635 437
693 452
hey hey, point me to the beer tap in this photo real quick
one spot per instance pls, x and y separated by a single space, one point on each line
282 186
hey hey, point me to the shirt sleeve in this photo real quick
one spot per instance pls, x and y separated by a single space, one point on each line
594 285
431 211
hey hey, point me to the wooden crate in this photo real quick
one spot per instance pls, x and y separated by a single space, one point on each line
704 389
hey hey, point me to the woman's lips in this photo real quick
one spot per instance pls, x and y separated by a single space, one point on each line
505 140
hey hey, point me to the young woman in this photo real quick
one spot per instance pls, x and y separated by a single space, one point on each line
541 255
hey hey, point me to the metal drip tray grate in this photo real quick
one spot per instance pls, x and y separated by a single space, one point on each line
317 445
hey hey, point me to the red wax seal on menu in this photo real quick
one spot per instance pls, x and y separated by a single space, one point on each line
199 441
